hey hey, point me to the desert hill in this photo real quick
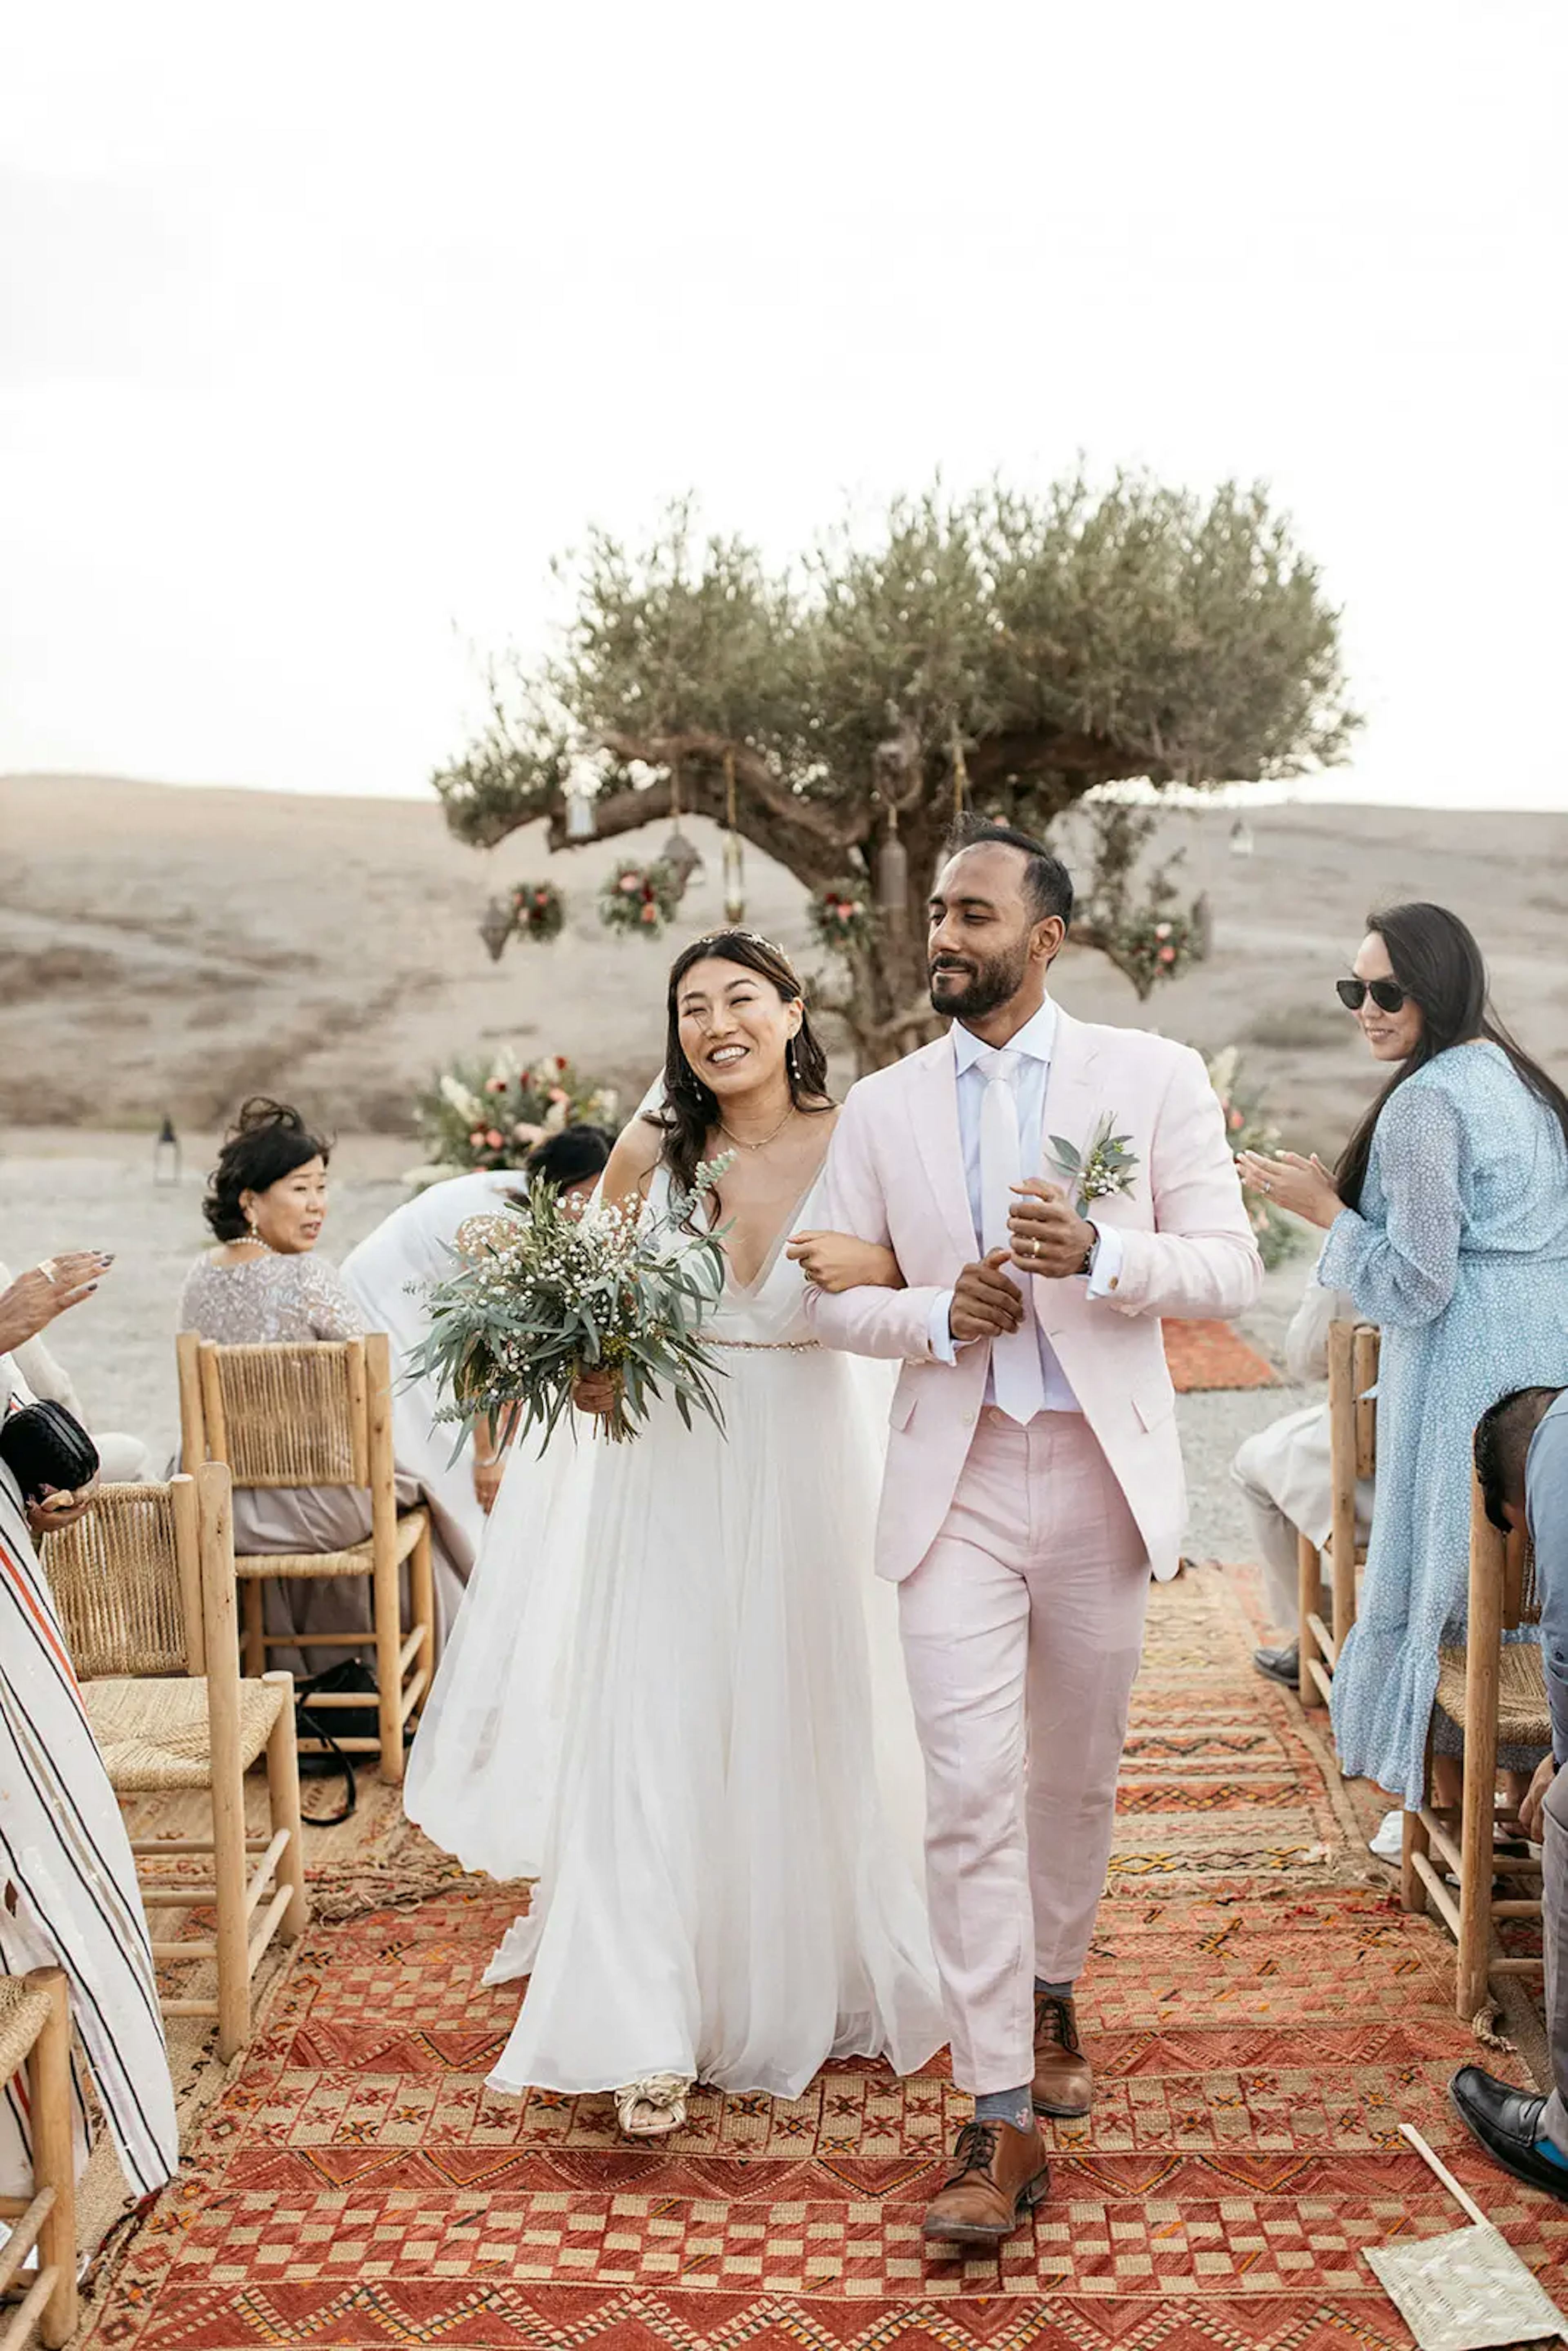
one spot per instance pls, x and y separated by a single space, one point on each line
171 949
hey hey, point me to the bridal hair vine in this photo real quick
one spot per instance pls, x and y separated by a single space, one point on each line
734 931
1107 1170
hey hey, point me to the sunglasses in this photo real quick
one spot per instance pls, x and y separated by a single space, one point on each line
1386 994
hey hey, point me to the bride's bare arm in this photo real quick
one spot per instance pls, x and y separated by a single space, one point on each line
836 1261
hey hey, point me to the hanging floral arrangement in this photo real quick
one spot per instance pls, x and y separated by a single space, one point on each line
538 911
642 898
842 917
1157 946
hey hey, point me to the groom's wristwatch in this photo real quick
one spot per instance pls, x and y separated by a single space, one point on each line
1088 1264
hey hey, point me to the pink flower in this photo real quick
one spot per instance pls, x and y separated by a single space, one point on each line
476 1140
1167 955
523 1133
650 913
1237 1121
558 1094
630 884
495 1085
495 1139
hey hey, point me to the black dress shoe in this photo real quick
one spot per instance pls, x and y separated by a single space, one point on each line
1283 1664
1505 2122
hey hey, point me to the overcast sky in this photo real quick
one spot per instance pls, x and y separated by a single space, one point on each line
322 327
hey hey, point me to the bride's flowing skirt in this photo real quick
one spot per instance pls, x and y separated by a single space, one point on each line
662 1700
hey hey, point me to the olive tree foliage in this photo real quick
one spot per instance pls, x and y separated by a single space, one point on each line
1007 653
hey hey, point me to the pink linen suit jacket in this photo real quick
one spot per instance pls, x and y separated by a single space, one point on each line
895 1176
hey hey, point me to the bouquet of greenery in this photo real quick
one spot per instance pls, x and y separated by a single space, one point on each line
545 1293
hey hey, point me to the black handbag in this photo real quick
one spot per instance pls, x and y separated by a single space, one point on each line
348 1721
46 1449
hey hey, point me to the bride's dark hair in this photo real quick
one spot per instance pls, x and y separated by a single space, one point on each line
690 1111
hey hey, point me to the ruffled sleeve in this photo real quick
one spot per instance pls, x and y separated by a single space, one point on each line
1401 1273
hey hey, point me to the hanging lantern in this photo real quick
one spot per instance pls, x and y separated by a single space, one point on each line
1241 838
734 854
683 860
581 821
893 874
495 926
166 1154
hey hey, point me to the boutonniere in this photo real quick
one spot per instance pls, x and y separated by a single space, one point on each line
1107 1169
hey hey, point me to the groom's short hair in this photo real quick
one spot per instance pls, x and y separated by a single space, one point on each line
1048 884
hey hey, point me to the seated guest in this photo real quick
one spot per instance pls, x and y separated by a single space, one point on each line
1284 1472
123 1460
69 1895
1522 1461
387 1275
263 1285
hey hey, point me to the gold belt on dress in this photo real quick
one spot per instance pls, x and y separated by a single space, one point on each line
765 1347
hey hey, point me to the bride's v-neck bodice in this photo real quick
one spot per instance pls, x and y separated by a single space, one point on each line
769 1310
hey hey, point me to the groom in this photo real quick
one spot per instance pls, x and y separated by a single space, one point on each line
1034 1473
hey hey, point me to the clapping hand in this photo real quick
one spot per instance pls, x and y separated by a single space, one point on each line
35 1299
1049 1237
1303 1186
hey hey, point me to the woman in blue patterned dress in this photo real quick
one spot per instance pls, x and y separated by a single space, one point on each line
1447 1223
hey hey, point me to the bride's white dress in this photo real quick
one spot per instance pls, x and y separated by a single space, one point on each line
674 1697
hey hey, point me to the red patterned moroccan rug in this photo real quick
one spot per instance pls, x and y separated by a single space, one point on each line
1213 1355
1262 2014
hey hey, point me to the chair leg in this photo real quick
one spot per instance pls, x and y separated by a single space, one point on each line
283 1789
234 1924
1308 1597
388 1610
54 2156
422 1595
254 1620
1412 1884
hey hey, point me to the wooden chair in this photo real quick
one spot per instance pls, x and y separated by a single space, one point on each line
1352 1450
145 1587
320 1415
36 2039
1495 1690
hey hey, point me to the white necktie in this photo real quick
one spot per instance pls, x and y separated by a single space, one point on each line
1015 1372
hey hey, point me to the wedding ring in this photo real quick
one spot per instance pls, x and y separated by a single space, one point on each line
1265 1186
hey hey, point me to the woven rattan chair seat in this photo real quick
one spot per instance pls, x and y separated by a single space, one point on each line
153 1735
24 2013
357 1561
1523 1716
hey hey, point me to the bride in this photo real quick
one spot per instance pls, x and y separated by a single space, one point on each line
674 1695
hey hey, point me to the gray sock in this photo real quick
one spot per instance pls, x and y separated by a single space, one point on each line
1015 2107
1056 1991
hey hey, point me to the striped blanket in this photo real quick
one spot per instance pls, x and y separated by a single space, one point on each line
67 1883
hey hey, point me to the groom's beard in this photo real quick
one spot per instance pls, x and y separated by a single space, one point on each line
968 987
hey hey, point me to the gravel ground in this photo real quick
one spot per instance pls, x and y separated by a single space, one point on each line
62 1190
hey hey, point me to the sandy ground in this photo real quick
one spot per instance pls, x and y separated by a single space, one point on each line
172 950
98 1192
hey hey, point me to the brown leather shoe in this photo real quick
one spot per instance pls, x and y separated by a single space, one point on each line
998 2175
1063 2077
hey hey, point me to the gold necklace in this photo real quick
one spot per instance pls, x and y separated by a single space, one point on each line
739 1140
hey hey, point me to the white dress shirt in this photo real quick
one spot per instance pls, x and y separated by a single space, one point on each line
1033 1043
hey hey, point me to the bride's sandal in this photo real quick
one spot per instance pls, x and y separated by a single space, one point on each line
653 2107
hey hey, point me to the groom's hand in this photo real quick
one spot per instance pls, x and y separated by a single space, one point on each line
1049 1238
986 1304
